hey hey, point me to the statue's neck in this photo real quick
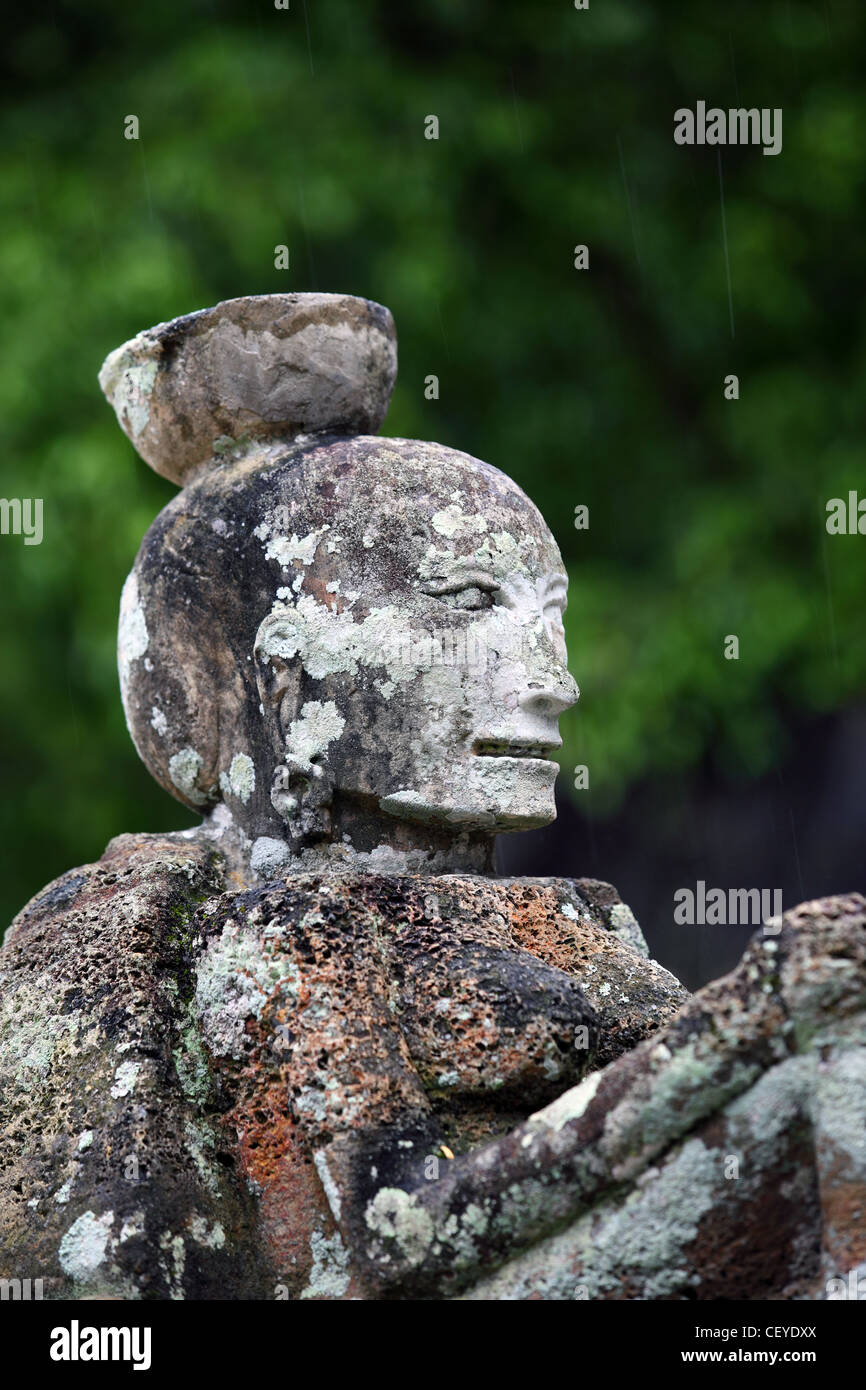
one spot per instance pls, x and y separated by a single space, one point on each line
360 842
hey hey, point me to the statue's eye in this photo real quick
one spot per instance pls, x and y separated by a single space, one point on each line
472 596
472 599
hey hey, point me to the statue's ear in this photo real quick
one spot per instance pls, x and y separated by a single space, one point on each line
276 653
301 791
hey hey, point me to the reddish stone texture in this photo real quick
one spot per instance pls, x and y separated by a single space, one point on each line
762 1239
623 1189
379 1018
640 995
292 1204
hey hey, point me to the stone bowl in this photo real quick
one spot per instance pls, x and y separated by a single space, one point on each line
260 368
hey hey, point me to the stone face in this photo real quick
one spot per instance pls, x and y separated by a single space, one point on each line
257 368
344 651
376 626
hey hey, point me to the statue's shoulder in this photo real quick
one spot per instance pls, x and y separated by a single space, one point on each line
582 926
135 872
588 901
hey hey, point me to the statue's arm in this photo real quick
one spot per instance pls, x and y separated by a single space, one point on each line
795 1007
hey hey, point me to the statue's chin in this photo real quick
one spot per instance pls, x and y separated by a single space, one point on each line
495 794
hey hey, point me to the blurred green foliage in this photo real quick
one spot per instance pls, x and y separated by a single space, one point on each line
261 126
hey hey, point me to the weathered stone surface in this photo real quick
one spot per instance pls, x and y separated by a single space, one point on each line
234 1041
623 1188
257 368
314 1048
279 662
273 1060
114 1177
631 993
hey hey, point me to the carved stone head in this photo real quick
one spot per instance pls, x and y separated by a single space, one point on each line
354 643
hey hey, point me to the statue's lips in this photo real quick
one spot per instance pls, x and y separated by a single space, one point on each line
530 752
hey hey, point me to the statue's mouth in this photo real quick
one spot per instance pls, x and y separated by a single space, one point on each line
502 748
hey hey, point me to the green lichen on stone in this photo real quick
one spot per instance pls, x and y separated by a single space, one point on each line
329 1276
191 1061
398 1216
85 1245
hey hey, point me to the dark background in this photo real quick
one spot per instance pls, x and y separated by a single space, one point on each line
305 127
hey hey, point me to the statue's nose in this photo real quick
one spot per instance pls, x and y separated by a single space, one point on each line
550 697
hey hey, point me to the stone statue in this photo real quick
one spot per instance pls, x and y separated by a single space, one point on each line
315 1047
